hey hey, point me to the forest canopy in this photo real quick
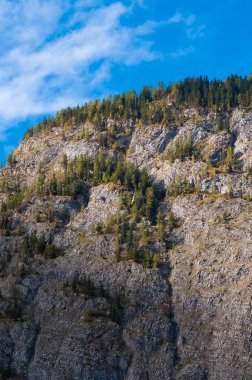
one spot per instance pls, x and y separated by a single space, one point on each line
155 105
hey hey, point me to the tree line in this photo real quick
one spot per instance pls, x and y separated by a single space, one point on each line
156 105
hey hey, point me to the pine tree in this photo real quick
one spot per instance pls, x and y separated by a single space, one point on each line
129 241
230 158
171 220
143 228
156 261
150 204
96 172
160 228
53 185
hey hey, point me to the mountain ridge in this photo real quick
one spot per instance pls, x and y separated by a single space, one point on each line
125 239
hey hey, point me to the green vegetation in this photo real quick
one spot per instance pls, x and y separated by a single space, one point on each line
15 198
33 244
10 159
138 226
230 193
171 221
230 158
135 240
82 285
181 149
180 187
199 93
82 173
139 202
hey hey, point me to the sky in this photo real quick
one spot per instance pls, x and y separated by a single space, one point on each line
60 53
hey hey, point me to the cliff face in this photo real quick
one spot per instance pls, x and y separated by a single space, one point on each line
79 312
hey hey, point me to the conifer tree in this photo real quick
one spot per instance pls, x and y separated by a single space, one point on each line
150 204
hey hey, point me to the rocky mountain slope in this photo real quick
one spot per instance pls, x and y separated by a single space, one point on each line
98 282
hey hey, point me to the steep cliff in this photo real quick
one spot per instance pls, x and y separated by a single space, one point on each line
99 284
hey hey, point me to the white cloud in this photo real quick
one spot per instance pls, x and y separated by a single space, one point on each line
192 32
179 18
53 53
176 19
48 49
182 52
147 28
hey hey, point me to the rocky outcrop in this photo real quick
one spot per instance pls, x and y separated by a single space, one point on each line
83 314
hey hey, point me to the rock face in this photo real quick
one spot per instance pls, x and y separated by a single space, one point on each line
188 318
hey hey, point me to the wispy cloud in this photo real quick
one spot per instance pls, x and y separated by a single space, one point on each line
48 50
53 53
179 18
176 19
194 33
182 52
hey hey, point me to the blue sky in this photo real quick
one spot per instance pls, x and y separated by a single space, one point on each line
65 52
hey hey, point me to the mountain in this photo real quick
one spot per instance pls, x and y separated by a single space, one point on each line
125 247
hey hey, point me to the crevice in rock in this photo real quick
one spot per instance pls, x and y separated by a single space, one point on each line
165 271
31 351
